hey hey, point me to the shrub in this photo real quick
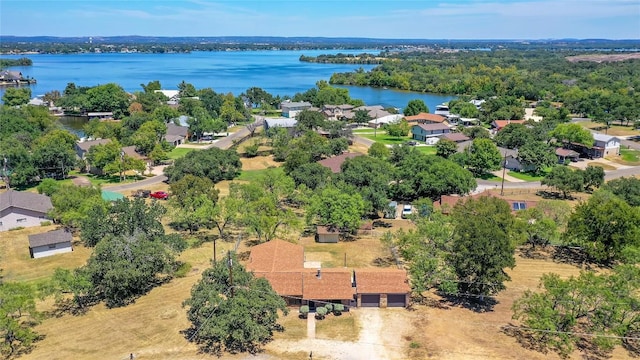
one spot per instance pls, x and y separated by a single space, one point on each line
304 311
329 307
321 312
338 309
17 228
45 223
183 270
251 150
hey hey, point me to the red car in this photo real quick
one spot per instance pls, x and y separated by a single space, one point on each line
162 195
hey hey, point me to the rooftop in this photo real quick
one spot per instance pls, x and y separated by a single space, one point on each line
276 255
426 117
335 163
50 238
25 200
432 127
371 281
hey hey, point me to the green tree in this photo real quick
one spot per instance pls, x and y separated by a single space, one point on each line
238 316
336 209
593 177
227 211
537 155
535 227
399 129
99 156
312 175
572 133
186 90
484 156
481 247
148 135
72 204
476 132
513 136
464 108
21 170
16 96
193 199
605 227
415 107
378 150
446 148
627 188
228 111
370 177
108 97
564 180
18 315
361 116
309 120
53 154
122 268
215 164
603 306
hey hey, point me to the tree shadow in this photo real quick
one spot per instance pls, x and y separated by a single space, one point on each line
525 338
385 261
22 350
476 304
553 195
71 307
571 255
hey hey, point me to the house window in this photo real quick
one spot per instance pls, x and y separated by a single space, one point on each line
519 206
21 220
52 246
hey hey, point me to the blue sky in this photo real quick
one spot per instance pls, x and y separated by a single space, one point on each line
417 19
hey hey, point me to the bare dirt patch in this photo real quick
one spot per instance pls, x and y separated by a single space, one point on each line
600 58
259 163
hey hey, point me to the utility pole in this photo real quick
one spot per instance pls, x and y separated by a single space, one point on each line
504 170
230 265
214 251
122 166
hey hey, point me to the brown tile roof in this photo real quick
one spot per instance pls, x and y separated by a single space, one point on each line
50 238
276 255
332 284
25 200
381 281
422 117
499 124
566 153
86 145
455 137
447 202
334 163
284 283
431 127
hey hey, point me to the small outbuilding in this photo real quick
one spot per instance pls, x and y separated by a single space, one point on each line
326 234
50 243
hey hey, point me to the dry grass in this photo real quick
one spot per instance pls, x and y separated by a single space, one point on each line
359 253
344 327
294 327
17 265
614 130
603 165
259 163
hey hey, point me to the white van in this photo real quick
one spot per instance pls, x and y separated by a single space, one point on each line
406 211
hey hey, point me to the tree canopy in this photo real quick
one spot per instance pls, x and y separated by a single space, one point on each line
215 164
233 316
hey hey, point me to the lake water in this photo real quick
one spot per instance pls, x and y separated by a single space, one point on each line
278 72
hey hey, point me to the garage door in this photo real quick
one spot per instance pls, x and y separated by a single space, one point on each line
370 300
396 300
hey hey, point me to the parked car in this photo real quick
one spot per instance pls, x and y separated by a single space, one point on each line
411 143
406 211
141 193
162 195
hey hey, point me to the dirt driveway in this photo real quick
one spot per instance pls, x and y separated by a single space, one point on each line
380 339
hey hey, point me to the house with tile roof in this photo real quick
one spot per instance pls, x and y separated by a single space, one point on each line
425 118
23 209
335 163
498 125
298 282
447 202
50 243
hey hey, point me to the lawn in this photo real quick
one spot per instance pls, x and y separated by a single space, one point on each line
614 130
366 131
630 156
526 176
382 137
429 150
490 177
344 327
179 152
252 175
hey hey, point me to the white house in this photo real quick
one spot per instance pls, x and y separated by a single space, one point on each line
23 209
50 243
291 109
605 145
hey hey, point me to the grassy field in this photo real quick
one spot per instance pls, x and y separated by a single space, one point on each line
429 150
179 152
382 137
630 156
526 176
490 177
251 175
340 327
614 130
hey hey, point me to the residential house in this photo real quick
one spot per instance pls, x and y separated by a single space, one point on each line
422 132
455 137
299 282
172 95
176 134
335 163
50 243
425 118
82 149
565 155
467 121
498 125
292 109
606 145
326 234
131 152
380 121
23 209
336 112
10 76
381 288
477 103
512 162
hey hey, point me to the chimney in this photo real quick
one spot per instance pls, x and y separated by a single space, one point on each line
318 274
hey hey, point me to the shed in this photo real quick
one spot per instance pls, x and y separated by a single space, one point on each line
325 234
50 243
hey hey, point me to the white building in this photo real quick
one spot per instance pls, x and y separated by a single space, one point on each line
606 145
50 243
23 209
